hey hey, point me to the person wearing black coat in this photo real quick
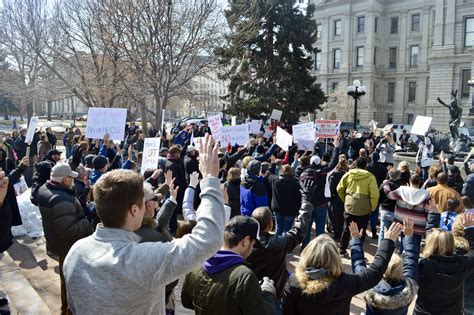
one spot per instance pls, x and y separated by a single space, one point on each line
5 215
380 173
233 190
52 139
336 206
191 164
269 258
319 286
174 164
286 198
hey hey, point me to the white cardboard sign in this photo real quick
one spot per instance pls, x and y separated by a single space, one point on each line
215 124
303 132
234 134
151 154
255 126
268 134
31 129
306 145
421 125
101 121
327 128
276 114
283 139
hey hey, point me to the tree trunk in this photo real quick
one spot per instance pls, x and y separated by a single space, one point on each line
29 111
158 107
49 105
143 112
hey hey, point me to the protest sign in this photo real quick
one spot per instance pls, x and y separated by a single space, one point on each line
101 121
303 132
233 120
151 154
306 145
234 135
31 129
276 114
255 126
268 134
215 124
327 128
283 139
421 125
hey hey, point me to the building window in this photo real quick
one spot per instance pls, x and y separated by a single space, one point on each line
414 56
334 86
360 24
336 58
410 119
392 62
318 60
394 25
389 118
376 24
415 23
360 57
319 28
375 55
469 32
411 92
337 27
465 77
391 93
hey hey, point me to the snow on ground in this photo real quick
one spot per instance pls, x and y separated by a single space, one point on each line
31 217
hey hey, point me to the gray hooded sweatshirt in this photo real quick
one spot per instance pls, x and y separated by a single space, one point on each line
110 272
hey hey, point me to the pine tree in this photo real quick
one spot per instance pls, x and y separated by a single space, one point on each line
268 58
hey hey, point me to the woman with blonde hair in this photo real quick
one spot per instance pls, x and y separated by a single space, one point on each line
395 292
405 174
442 272
319 286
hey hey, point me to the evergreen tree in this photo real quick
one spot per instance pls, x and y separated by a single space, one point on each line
268 58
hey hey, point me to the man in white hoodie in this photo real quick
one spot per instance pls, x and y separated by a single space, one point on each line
110 272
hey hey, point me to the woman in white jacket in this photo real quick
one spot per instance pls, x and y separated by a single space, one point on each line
424 157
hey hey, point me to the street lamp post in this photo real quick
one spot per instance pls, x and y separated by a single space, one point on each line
356 91
471 84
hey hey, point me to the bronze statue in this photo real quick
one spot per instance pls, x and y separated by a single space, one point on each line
455 112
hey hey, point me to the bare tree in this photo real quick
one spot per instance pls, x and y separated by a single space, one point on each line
165 43
20 20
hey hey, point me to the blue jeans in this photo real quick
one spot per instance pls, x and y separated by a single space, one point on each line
68 151
319 217
373 221
386 219
424 174
283 223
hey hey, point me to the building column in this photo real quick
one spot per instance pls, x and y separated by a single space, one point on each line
369 42
439 23
347 49
402 64
326 58
450 22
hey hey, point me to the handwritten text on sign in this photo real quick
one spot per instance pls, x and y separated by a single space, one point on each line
106 120
215 124
303 132
327 128
151 154
234 134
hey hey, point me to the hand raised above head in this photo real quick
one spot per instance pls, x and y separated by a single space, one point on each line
208 156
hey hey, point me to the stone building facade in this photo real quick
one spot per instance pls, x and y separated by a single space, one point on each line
407 53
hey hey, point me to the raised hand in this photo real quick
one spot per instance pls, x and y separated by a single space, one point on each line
194 180
168 178
173 190
354 230
307 190
25 161
433 206
408 227
467 219
393 232
208 156
156 173
226 195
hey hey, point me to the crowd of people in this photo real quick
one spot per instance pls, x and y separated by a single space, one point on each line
209 229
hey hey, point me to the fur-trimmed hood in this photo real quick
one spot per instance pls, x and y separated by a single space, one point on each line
386 296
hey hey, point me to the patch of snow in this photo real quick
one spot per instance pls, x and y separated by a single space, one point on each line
31 216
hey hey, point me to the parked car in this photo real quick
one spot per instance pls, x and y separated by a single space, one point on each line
56 126
467 131
347 125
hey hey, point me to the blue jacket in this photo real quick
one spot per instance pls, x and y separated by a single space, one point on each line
182 137
266 156
253 194
468 187
95 176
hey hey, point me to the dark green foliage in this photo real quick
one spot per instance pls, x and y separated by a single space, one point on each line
269 56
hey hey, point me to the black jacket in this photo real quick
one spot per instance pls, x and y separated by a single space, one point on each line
176 166
5 226
384 202
441 283
269 260
64 221
286 195
233 191
336 299
43 172
191 164
379 171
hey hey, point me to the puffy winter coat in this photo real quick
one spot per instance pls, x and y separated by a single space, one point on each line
359 191
286 195
253 194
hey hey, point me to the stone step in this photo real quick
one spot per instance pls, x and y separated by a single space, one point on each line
23 298
39 269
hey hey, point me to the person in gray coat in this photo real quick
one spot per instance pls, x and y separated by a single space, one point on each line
110 272
63 218
386 148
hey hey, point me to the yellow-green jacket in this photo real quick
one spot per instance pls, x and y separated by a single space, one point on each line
359 191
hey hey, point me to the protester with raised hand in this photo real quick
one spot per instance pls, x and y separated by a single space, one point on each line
269 259
110 272
395 292
319 286
442 272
